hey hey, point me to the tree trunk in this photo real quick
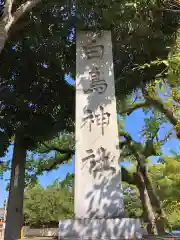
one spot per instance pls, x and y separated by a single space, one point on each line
159 213
150 203
146 204
14 219
150 200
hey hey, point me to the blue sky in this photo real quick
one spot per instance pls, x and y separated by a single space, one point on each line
133 125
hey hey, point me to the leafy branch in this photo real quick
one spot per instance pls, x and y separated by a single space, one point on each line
158 104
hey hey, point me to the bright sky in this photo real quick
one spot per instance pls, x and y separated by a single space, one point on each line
133 125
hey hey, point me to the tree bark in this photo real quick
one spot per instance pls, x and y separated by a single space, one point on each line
159 213
146 204
14 219
145 187
3 36
158 104
146 201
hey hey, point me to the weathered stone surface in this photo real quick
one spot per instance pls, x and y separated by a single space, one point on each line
100 229
98 195
98 192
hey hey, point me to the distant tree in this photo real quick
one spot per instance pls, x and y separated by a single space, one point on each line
67 183
46 206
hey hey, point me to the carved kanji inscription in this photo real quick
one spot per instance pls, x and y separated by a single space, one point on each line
94 51
101 119
99 160
96 82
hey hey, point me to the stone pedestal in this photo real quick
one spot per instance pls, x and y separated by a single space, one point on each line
100 229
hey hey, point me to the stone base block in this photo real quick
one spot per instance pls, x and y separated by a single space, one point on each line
100 229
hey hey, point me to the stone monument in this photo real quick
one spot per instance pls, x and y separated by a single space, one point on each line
99 205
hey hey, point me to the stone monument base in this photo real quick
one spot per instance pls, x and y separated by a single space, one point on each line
100 229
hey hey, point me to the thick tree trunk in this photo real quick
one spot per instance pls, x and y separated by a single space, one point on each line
14 219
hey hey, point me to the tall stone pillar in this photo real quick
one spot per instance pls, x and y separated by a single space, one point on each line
97 170
99 205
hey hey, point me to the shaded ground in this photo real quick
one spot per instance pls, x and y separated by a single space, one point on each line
40 238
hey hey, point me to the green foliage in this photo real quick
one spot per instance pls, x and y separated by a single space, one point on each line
38 103
33 87
4 142
172 209
31 168
3 168
63 141
171 72
132 201
66 184
48 156
46 206
142 31
166 179
55 152
166 175
138 28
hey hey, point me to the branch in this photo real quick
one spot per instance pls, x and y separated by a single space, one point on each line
7 10
62 151
139 157
158 104
163 141
56 161
9 7
126 155
126 176
23 9
136 106
60 160
155 102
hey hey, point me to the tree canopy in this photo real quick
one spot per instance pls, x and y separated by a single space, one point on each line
46 206
33 85
142 31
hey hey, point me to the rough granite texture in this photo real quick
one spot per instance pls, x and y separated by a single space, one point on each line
100 229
